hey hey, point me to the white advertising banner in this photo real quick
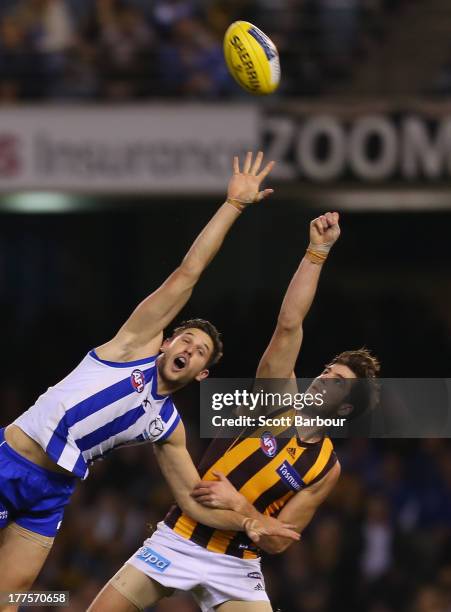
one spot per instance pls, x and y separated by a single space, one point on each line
369 156
163 149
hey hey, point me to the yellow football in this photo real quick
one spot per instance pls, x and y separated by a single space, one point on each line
252 58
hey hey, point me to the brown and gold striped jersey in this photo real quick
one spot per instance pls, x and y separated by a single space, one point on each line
268 468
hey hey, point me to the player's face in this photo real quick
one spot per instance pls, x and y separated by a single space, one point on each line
186 356
334 385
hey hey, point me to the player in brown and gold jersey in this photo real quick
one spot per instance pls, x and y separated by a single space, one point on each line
275 473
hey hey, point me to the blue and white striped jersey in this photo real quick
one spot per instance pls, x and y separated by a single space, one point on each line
99 406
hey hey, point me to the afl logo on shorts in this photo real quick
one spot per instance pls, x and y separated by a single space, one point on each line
138 381
268 444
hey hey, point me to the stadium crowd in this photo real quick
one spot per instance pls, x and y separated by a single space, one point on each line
120 50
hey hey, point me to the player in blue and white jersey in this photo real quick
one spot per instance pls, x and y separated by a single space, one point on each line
119 394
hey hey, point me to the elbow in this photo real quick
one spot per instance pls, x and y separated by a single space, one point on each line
189 272
186 503
289 324
275 546
282 547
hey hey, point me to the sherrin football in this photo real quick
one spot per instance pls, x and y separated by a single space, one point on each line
252 58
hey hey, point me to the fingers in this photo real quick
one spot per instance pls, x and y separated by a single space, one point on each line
284 532
264 194
253 169
316 223
323 222
332 218
247 162
266 170
254 536
292 535
220 476
236 165
201 490
257 163
206 500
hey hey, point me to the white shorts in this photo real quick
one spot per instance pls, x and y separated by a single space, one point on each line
212 577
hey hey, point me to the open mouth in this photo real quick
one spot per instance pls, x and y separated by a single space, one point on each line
318 387
180 363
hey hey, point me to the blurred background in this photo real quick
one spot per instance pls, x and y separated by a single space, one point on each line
118 122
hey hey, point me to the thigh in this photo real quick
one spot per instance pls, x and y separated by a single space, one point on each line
244 606
22 555
127 591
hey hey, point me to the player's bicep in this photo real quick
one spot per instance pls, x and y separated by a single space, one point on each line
280 357
301 508
176 464
157 310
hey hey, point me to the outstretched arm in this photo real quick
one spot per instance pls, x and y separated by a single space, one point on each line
280 357
182 477
141 334
298 512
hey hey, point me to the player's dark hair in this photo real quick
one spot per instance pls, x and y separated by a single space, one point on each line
210 330
364 393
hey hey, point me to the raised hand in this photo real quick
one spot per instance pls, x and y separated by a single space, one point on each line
324 230
244 187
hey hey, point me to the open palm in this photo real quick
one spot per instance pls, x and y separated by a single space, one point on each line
245 186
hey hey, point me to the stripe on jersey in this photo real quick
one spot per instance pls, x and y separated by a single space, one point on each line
232 458
303 462
168 410
85 408
117 425
254 487
321 461
170 429
80 466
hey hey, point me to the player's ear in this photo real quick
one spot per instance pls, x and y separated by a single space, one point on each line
165 345
345 410
202 375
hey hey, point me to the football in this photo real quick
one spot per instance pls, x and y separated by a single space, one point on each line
252 58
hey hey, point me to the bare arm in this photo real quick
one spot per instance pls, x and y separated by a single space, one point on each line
181 475
141 334
280 357
301 509
298 512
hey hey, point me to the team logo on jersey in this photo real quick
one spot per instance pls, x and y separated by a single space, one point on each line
152 558
292 452
156 427
3 515
268 444
290 477
138 381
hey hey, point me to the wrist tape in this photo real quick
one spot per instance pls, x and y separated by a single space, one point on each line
317 253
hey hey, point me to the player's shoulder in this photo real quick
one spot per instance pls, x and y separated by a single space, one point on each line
175 435
332 474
